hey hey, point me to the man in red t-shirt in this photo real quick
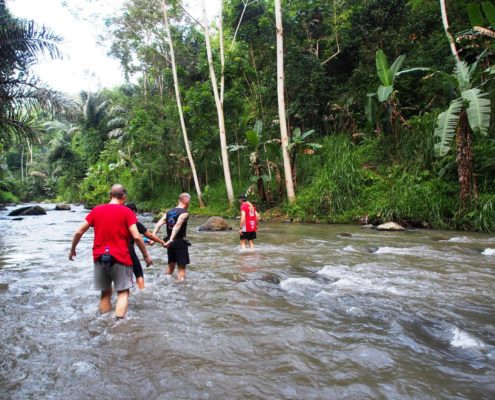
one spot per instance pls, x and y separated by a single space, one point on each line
114 225
249 222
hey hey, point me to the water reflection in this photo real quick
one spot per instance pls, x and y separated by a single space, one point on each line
314 312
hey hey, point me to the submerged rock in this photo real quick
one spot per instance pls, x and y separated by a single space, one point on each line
390 226
215 224
29 210
63 207
270 278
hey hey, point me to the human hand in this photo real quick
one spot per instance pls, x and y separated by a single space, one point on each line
148 261
72 254
168 244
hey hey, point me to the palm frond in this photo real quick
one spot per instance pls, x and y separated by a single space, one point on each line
23 41
478 111
446 126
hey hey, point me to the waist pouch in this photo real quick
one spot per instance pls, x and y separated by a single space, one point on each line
107 259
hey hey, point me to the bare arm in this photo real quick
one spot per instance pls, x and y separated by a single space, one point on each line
243 220
176 228
153 237
159 224
140 243
77 237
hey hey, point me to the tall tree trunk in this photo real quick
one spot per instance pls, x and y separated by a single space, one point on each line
179 105
445 21
222 54
464 160
289 185
218 103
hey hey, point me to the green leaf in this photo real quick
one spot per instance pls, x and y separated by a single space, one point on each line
410 70
489 10
446 126
252 138
370 108
396 66
307 133
258 127
384 92
382 69
462 74
475 15
478 111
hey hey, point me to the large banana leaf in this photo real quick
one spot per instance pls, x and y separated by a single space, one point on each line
478 111
383 69
462 73
445 127
475 15
384 92
489 10
395 68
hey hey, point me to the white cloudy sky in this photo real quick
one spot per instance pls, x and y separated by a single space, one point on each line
85 65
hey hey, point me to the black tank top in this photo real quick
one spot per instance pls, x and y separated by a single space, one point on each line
172 218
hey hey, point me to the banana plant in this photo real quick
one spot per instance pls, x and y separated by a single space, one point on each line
298 144
469 113
387 76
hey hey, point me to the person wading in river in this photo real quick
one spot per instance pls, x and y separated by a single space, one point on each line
136 264
248 223
177 244
114 225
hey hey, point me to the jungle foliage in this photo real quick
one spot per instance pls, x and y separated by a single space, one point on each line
384 123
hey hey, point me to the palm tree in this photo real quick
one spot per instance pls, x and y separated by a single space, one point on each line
21 93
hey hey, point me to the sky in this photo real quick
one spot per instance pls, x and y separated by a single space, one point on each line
86 66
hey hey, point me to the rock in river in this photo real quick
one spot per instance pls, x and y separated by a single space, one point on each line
29 210
215 224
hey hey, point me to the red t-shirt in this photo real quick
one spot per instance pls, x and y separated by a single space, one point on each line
250 217
111 224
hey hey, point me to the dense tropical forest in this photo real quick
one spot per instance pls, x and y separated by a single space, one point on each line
328 111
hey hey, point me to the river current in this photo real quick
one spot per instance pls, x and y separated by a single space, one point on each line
314 312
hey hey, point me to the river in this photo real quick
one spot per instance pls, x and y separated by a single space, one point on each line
315 312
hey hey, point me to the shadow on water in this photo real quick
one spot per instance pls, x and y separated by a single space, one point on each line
314 312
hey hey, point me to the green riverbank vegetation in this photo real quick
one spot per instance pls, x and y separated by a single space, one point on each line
388 107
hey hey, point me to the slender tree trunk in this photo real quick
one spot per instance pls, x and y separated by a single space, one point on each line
218 103
22 163
179 106
464 160
222 54
445 21
289 185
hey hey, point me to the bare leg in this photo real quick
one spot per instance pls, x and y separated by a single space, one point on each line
170 268
243 243
122 303
251 244
181 273
106 300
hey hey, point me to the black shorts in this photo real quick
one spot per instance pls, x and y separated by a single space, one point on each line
247 235
178 253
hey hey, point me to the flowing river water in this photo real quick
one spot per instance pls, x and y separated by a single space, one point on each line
315 312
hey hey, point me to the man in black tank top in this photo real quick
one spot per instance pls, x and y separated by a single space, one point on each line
177 245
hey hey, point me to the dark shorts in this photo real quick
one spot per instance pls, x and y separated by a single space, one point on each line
248 236
178 253
119 274
137 268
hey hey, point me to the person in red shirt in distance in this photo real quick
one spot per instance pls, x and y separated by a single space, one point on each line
248 223
114 225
